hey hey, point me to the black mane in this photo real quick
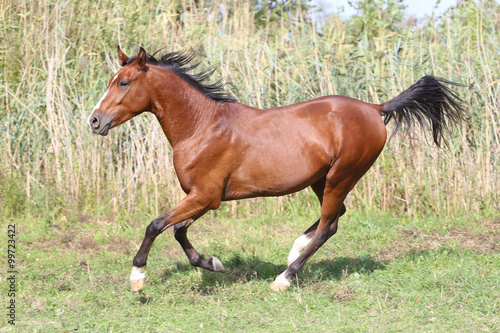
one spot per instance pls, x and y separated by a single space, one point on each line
178 63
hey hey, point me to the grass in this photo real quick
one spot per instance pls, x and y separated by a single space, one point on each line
379 273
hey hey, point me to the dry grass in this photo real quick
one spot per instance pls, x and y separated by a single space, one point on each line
57 58
415 240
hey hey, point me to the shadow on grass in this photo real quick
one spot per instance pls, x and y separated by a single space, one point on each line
243 269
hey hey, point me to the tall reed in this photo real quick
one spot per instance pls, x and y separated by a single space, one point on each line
57 57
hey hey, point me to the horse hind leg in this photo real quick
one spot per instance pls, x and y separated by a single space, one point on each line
332 208
305 239
301 243
196 259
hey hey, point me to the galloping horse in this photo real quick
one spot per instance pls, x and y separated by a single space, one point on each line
224 150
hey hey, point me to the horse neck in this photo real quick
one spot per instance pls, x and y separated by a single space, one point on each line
179 107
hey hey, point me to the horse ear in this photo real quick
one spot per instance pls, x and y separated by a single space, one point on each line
122 57
141 59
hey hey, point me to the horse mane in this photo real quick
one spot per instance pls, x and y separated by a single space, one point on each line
179 64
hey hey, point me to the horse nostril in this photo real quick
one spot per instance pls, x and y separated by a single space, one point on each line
94 123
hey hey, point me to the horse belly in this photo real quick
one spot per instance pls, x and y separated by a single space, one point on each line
276 172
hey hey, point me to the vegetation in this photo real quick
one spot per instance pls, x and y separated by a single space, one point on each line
421 254
379 274
57 58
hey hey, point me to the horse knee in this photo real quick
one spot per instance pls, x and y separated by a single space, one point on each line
180 229
156 227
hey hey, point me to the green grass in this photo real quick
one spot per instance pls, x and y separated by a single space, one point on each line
379 273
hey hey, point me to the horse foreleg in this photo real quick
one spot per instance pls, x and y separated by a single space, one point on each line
196 259
191 207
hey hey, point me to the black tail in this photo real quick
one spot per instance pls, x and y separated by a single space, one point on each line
428 101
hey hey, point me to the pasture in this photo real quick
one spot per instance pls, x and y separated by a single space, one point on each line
379 273
417 250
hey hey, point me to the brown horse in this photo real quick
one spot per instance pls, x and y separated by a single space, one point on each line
224 150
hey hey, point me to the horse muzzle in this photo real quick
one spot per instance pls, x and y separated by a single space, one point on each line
98 126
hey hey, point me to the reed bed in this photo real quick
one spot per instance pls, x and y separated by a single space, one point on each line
57 57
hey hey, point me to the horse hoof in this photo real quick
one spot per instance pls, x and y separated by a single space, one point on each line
216 264
137 278
280 284
136 285
278 287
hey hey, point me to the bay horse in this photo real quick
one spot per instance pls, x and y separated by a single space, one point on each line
225 150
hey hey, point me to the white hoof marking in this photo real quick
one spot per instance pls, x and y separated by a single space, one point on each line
298 246
281 283
137 278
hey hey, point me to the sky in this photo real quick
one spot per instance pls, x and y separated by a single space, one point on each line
418 8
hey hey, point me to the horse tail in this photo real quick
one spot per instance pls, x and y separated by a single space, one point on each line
428 101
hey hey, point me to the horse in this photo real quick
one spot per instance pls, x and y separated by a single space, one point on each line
224 150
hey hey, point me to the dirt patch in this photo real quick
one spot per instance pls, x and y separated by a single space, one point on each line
82 241
345 294
420 239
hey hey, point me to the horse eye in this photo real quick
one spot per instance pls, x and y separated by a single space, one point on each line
123 84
